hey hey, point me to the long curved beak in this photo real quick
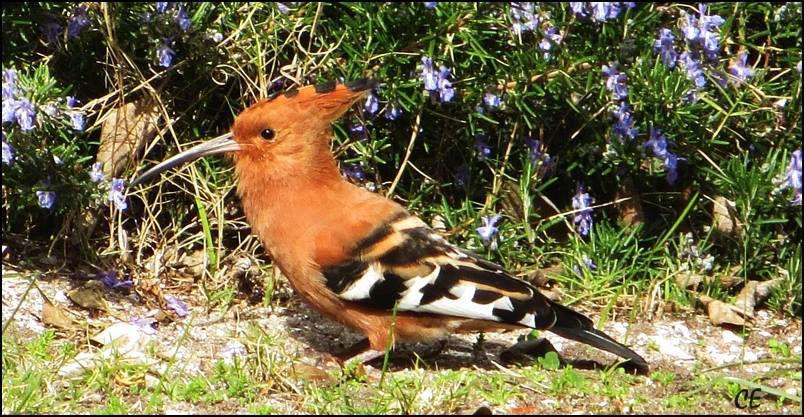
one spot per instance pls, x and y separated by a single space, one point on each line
221 144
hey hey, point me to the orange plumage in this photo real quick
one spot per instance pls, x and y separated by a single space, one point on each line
356 256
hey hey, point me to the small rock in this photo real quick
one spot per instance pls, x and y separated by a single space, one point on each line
53 315
232 349
123 340
151 381
730 338
671 347
719 358
90 296
60 297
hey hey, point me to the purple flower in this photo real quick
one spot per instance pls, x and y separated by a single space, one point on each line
709 22
165 54
358 131
283 8
146 324
671 166
183 19
551 37
429 76
586 262
46 199
700 33
793 176
109 279
798 67
430 4
9 83
600 11
658 144
25 114
447 92
739 68
8 152
491 100
624 126
690 29
117 193
96 174
162 6
578 8
51 30
534 148
616 81
9 105
76 118
445 86
354 172
392 112
545 45
691 63
589 264
482 147
437 81
9 94
523 17
488 230
77 21
581 201
177 305
664 47
372 104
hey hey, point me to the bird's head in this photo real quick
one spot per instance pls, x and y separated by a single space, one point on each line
287 132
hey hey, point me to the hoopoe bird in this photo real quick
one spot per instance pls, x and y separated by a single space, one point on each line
358 257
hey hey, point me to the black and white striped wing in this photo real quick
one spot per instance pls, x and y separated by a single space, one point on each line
405 263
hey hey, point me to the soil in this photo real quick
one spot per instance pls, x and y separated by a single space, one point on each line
684 343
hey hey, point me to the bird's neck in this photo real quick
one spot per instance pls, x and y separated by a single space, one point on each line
287 204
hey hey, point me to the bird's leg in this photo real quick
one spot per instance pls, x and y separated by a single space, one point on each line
360 352
354 350
367 356
478 348
435 352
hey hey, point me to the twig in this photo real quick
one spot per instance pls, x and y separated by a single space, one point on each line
413 136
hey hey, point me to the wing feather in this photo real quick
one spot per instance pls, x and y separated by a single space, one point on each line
405 263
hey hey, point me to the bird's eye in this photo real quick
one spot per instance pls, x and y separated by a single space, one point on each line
268 134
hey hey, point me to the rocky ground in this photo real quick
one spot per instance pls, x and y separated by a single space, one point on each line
683 343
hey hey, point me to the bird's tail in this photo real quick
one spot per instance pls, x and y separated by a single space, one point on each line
575 326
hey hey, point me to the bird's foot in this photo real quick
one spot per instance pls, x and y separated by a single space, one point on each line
528 351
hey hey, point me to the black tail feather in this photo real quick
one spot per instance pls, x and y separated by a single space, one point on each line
575 326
